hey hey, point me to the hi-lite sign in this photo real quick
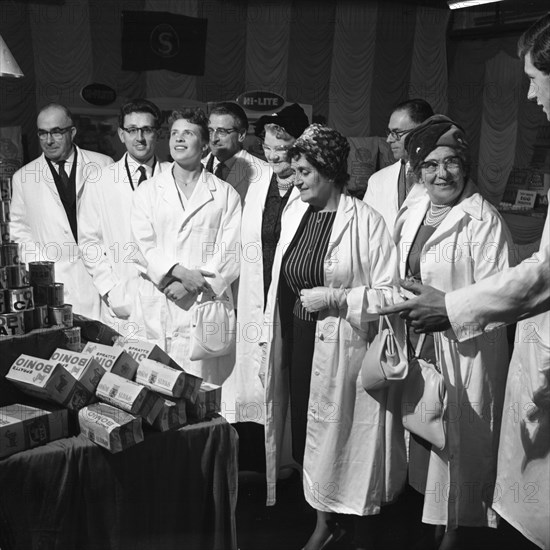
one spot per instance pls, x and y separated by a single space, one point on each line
260 101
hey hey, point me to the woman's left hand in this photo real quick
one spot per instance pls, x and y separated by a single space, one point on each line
322 297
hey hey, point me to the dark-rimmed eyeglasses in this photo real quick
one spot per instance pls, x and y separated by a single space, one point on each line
450 163
147 131
397 134
56 133
223 132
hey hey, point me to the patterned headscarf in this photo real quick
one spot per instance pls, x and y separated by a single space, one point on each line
435 131
326 147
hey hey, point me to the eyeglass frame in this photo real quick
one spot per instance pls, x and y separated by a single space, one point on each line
397 134
224 132
56 133
278 149
432 166
147 131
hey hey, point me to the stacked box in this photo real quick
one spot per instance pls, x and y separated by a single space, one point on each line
113 359
110 427
161 378
129 396
208 402
140 350
172 415
80 365
23 427
48 380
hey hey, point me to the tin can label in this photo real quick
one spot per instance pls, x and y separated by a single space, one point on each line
55 294
3 278
10 253
17 276
11 324
5 232
41 316
41 273
20 299
3 302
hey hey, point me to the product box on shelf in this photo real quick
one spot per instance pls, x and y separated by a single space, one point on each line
172 415
84 367
129 396
23 427
113 359
207 404
48 380
110 427
161 378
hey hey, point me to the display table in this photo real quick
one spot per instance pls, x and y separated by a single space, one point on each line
176 490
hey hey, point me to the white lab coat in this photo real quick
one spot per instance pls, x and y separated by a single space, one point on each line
204 235
250 405
247 170
470 244
40 226
108 250
355 456
522 490
383 195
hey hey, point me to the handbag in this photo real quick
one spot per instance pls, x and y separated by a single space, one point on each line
212 327
385 360
424 400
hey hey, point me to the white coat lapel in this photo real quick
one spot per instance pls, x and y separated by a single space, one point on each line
344 214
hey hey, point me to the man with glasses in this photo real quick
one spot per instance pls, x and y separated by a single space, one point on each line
227 127
388 188
105 236
46 199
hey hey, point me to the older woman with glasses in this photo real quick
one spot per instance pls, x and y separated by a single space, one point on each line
268 203
327 284
451 238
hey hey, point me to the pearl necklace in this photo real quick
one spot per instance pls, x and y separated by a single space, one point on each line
285 183
436 214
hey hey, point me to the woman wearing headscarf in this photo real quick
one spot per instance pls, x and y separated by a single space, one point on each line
327 284
450 238
264 212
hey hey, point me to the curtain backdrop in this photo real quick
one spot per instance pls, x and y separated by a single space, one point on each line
352 61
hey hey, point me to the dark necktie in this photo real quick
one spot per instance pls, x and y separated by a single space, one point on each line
143 175
63 175
219 172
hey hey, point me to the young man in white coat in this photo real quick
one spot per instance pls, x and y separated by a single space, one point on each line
522 293
46 200
388 188
105 233
227 127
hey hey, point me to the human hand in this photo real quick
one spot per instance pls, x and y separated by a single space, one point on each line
175 291
193 280
424 313
322 297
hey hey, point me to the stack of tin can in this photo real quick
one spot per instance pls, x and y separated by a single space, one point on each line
5 195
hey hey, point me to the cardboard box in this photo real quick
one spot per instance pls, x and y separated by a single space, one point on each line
110 427
113 359
161 378
47 379
140 350
129 396
23 427
208 402
82 366
172 415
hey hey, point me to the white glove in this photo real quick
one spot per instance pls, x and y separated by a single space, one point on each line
322 297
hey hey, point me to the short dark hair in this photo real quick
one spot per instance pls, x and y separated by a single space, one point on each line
53 105
536 41
338 174
418 109
194 115
236 111
140 105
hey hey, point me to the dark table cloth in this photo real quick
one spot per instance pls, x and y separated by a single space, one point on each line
175 490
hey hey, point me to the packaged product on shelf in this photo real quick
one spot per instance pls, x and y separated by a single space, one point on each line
23 427
47 379
208 402
20 299
12 324
113 359
41 273
110 427
61 315
82 366
161 378
172 415
129 396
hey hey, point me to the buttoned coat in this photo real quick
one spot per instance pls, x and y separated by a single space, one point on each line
203 235
470 244
40 225
355 457
108 250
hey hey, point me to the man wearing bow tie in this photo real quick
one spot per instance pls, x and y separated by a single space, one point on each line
104 221
47 197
